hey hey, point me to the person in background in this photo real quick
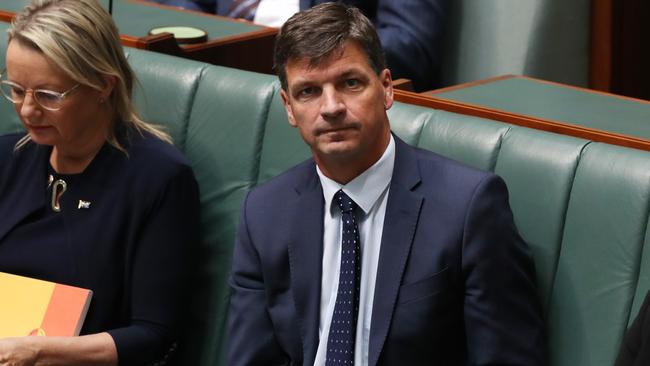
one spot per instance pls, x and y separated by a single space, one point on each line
92 196
410 31
373 252
635 350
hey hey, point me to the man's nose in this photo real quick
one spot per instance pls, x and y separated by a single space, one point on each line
332 104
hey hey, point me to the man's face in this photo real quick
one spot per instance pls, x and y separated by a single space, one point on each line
340 107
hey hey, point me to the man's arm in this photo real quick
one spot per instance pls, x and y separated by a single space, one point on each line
503 317
252 338
411 35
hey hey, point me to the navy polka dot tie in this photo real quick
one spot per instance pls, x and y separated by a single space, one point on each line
343 329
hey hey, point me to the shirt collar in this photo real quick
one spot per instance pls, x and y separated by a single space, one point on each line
367 187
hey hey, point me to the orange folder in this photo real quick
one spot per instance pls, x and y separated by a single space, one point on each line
34 307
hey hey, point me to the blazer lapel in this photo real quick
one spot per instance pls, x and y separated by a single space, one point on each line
402 213
305 258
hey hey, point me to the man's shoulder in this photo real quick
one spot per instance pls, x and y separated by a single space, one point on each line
289 179
285 183
435 166
450 181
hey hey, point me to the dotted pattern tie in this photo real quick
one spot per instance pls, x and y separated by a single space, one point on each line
340 343
244 9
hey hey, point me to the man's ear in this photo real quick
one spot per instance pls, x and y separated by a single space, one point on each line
387 83
287 107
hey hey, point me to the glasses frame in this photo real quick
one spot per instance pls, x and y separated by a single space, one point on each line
59 95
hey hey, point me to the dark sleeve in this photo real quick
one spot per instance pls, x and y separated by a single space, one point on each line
411 35
632 342
503 317
160 273
198 5
252 340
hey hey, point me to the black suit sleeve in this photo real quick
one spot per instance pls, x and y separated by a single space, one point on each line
411 34
631 349
503 317
252 339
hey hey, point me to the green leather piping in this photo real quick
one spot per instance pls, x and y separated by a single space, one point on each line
259 147
563 223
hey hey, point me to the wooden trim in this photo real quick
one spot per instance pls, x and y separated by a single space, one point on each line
470 84
6 16
522 120
600 68
262 33
403 84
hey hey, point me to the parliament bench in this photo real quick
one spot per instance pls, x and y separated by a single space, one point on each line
582 206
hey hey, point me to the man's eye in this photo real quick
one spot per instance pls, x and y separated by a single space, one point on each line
306 92
351 83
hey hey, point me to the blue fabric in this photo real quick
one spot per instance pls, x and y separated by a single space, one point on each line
455 281
343 329
131 247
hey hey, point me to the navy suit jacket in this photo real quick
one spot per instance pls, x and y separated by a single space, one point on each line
410 32
455 282
132 246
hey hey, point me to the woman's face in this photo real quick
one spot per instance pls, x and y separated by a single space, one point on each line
82 118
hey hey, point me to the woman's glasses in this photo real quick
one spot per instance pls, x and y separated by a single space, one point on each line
48 99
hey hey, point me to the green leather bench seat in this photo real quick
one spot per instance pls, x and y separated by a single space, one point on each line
582 206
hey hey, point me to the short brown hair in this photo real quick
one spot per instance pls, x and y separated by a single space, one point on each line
318 32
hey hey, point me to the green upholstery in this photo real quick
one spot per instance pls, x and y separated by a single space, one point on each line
582 206
10 122
547 39
539 99
539 172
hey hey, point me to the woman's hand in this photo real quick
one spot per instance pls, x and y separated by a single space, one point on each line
19 351
95 349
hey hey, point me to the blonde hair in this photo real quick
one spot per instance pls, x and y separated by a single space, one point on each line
80 37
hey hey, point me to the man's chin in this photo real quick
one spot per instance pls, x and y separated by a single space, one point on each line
337 149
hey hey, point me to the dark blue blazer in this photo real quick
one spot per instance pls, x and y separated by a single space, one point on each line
132 246
410 32
455 282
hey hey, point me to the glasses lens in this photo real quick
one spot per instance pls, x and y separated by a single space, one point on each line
48 99
12 92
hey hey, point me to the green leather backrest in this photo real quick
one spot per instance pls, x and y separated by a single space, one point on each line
10 122
582 206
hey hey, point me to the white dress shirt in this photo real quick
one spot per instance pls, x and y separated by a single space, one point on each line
370 192
273 13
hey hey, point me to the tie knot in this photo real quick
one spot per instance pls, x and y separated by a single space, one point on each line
344 202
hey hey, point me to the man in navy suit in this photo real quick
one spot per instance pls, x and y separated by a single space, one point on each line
410 30
373 252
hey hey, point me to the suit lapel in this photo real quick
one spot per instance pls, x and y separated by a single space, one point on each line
305 258
402 213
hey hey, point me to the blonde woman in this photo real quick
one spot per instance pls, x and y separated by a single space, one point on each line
91 195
